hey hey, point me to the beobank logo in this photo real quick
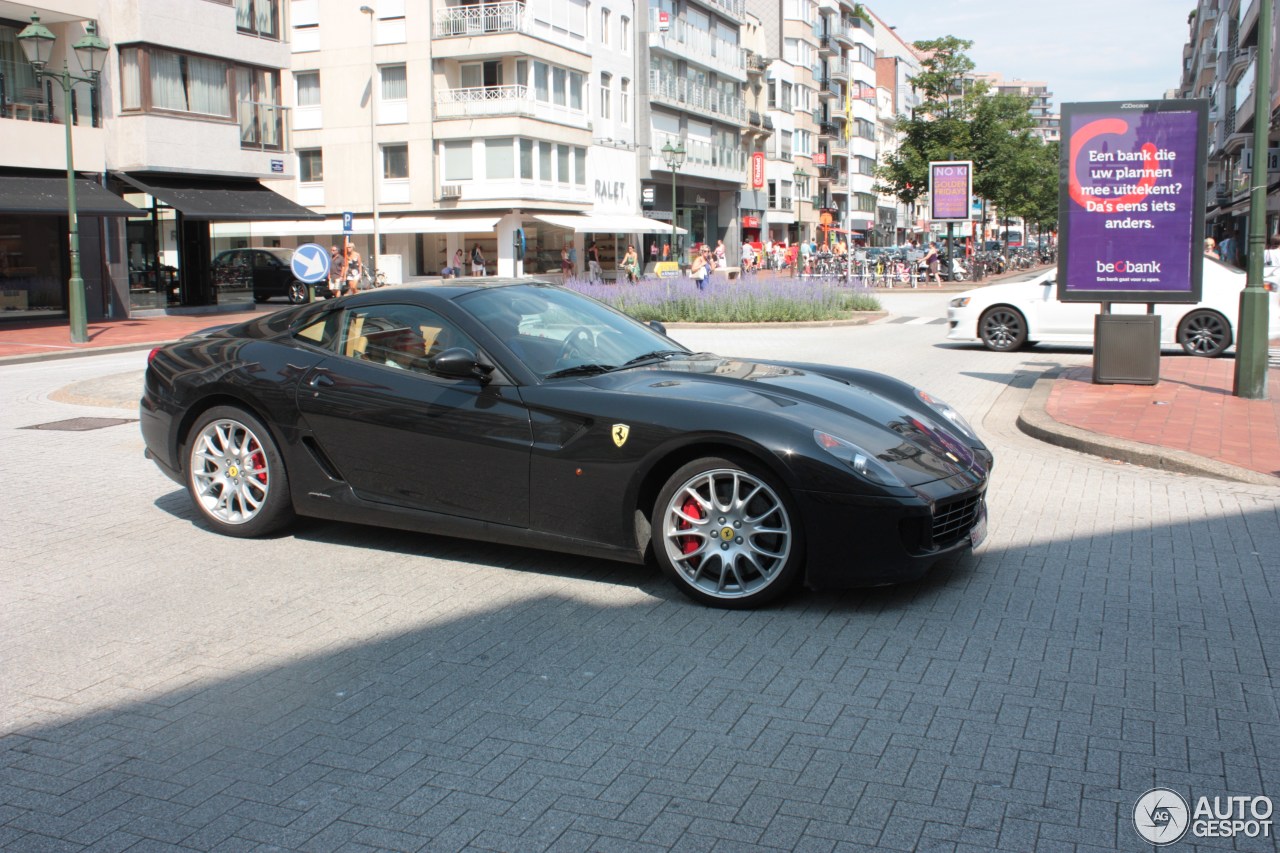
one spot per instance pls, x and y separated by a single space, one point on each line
1129 267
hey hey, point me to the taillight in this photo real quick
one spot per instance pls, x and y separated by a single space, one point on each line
151 356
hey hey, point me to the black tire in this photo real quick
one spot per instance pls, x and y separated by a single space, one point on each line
1002 328
260 299
235 475
297 292
1204 333
718 552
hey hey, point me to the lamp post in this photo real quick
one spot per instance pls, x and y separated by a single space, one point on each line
373 143
674 157
37 43
802 187
1250 380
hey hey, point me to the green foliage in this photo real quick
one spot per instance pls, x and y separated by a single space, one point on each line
745 306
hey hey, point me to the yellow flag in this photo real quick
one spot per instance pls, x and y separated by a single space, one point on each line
848 114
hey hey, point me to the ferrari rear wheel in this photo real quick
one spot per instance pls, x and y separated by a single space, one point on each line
235 474
724 532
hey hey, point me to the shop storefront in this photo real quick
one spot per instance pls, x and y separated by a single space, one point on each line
34 263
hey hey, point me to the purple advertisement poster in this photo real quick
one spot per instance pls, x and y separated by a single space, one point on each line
950 186
1131 207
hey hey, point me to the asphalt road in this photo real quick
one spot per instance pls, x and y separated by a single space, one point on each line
347 688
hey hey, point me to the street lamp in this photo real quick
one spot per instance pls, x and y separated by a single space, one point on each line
37 44
373 143
674 157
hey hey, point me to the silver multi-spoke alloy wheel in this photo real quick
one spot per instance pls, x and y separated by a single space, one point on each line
231 477
1002 329
727 534
1204 333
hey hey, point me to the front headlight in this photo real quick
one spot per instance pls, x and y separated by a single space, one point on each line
862 462
948 412
960 301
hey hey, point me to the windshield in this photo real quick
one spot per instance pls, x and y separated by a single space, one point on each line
557 332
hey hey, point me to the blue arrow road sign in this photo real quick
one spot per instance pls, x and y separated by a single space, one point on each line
310 263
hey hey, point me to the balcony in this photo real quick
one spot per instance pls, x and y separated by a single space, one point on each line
484 19
838 70
733 8
703 159
685 94
828 89
263 126
828 129
505 102
698 47
827 46
756 63
828 173
1240 62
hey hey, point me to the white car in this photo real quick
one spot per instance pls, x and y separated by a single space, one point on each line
1006 316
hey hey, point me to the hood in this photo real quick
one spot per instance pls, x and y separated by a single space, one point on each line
918 443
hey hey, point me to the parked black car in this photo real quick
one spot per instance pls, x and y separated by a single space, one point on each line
529 414
268 271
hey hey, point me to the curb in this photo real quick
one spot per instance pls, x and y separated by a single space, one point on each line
56 355
862 319
1036 422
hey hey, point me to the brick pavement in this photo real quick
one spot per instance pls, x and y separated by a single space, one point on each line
346 688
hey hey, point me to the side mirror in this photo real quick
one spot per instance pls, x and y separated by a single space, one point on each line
658 327
459 363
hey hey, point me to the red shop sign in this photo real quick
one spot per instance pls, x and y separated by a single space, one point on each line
751 222
757 170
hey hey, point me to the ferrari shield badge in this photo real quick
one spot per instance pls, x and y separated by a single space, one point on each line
620 433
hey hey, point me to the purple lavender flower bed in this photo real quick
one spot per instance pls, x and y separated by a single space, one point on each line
745 300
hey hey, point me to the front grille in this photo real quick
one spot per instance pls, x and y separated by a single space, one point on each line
953 519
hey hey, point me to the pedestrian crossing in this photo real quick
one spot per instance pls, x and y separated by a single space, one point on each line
919 321
1273 357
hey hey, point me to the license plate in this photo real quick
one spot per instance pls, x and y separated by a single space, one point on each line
979 532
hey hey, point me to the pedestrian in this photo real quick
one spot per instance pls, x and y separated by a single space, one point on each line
1211 249
352 269
566 265
698 269
931 263
631 265
720 253
748 256
457 262
1271 257
653 251
335 271
477 260
593 262
1227 250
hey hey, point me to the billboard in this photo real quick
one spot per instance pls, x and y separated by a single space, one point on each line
1131 202
757 170
950 190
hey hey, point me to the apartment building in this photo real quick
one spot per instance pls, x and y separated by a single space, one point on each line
182 129
1040 102
1219 63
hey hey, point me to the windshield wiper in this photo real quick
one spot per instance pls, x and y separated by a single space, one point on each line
582 370
653 356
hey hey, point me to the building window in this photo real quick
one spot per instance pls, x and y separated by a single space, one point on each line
395 83
563 175
604 27
544 162
310 166
498 159
308 84
575 90
526 159
580 167
626 34
395 161
624 100
258 17
457 160
606 86
189 84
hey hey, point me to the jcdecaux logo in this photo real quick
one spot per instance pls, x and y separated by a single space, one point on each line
1132 267
1161 816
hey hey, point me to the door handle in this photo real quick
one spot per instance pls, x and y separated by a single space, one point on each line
321 379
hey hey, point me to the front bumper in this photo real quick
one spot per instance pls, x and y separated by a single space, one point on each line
962 325
856 541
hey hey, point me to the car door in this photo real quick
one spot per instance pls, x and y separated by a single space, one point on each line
400 434
269 277
1061 321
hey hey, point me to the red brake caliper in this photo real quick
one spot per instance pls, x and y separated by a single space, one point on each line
259 463
691 508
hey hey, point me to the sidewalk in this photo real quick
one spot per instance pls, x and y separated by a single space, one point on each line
1188 422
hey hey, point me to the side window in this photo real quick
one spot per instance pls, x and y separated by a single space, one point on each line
403 337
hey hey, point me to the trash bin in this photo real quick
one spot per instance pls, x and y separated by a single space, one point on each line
1126 349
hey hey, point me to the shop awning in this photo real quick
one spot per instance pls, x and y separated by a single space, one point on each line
48 196
600 223
221 199
332 227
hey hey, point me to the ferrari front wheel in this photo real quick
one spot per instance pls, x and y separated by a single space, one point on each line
235 474
725 532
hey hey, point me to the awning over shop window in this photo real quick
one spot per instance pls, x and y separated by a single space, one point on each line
48 195
608 224
222 199
363 225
